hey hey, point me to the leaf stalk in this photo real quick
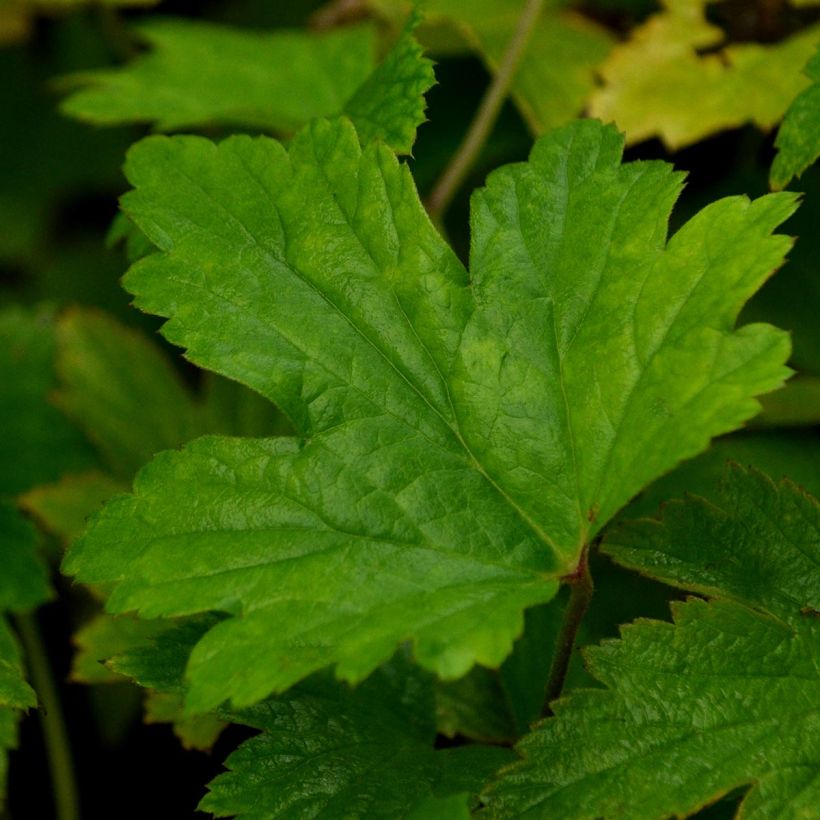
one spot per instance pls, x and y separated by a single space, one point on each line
465 156
580 594
52 723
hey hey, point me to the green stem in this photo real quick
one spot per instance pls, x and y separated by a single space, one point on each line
456 171
580 594
58 748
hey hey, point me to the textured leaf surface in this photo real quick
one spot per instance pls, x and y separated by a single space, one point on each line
191 76
461 442
328 751
389 104
658 84
798 140
725 697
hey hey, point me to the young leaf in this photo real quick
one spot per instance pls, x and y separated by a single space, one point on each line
461 441
658 83
389 104
798 140
191 76
326 750
725 697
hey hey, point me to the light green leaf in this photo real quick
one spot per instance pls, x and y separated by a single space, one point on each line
389 104
798 140
192 73
725 697
326 750
287 78
660 84
461 442
38 443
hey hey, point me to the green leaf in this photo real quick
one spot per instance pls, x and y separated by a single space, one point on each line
796 405
780 453
104 638
23 585
389 104
475 706
118 387
122 390
23 579
757 545
38 443
725 697
460 440
326 750
798 140
15 695
190 78
191 74
659 83
557 70
63 508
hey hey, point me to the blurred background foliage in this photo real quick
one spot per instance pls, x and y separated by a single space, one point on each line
91 391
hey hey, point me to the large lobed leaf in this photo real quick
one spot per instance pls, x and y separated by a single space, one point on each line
462 437
725 697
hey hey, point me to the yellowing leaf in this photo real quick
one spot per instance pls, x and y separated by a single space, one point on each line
658 84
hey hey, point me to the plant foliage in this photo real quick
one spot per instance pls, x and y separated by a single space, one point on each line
454 405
